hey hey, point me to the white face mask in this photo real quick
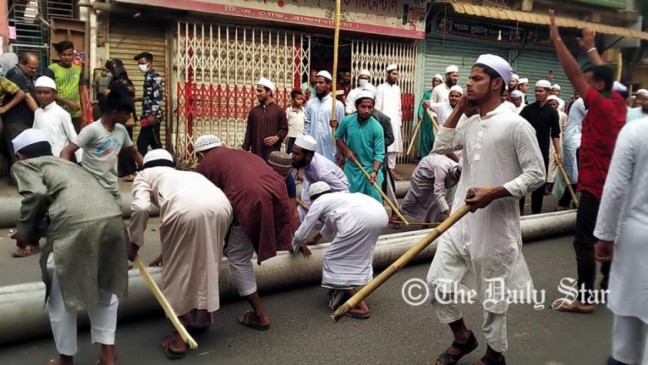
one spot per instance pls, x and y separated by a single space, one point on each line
143 67
363 82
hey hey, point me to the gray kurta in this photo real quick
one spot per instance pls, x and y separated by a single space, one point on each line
86 233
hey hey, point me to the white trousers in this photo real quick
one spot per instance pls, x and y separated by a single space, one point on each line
630 340
494 326
103 316
391 160
239 256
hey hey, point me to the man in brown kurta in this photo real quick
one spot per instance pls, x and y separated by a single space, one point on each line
262 220
267 124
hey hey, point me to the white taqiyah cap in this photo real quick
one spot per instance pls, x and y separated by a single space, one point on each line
438 77
372 89
555 86
206 142
543 83
158 154
318 188
553 97
451 68
515 77
523 80
457 88
28 137
517 94
325 74
45 81
364 72
364 94
391 67
267 83
306 142
642 92
497 63
619 87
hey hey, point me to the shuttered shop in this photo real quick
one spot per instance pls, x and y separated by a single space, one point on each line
534 65
126 41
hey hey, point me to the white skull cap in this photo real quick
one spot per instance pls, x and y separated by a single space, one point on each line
497 63
267 83
157 154
206 142
318 188
306 142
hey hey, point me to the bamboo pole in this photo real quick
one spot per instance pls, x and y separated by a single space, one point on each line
384 196
336 42
400 263
186 337
413 139
567 182
435 124
302 204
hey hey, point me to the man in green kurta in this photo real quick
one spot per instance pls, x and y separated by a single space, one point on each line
426 132
360 137
84 262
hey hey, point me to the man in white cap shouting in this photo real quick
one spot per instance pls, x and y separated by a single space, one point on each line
363 82
501 163
319 120
444 109
353 222
555 90
84 262
388 101
546 122
52 119
640 111
440 93
267 124
195 217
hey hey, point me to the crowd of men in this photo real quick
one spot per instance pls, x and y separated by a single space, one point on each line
484 147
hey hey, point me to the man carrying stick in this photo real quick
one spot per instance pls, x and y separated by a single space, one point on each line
502 162
84 262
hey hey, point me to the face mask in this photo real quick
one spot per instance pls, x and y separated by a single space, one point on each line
109 75
143 68
363 82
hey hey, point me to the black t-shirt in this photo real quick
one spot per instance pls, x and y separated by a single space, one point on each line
20 112
545 121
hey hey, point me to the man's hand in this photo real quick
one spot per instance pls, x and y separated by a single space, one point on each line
466 108
553 29
604 251
157 261
372 177
303 248
334 123
426 104
270 141
132 251
481 199
587 41
350 155
557 158
74 106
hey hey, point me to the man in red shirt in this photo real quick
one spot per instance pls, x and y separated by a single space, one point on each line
605 118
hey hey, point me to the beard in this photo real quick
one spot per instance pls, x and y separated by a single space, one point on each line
299 164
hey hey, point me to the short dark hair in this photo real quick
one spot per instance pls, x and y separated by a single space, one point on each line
295 93
118 101
601 73
146 55
492 74
63 46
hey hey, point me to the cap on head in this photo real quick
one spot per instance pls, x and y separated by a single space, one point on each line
280 160
554 98
266 83
523 81
457 88
391 67
517 94
545 84
364 72
555 87
318 188
642 92
145 54
497 63
325 74
364 94
157 154
306 142
438 77
451 68
45 81
515 77
28 137
207 142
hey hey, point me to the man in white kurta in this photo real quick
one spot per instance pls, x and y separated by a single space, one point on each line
444 109
388 101
195 216
571 143
426 199
354 222
440 93
622 228
501 163
552 100
555 90
318 115
363 83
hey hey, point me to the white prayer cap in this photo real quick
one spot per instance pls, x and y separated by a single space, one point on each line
391 67
457 88
451 68
642 92
523 80
325 74
267 83
28 137
45 81
364 94
206 142
553 97
157 154
498 64
555 86
515 77
543 84
318 188
619 87
438 77
364 72
306 142
517 94
372 89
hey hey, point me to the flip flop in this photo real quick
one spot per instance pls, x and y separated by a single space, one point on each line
571 307
245 320
25 251
170 354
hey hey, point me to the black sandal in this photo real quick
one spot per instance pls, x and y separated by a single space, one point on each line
447 358
488 361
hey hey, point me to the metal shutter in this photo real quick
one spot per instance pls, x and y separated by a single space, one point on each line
535 64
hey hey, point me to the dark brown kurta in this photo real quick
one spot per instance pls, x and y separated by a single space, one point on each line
258 196
265 121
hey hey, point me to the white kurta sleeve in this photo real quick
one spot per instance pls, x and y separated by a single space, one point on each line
139 209
435 98
449 139
616 186
309 222
530 159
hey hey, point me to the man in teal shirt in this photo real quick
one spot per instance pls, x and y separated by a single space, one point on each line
426 133
360 137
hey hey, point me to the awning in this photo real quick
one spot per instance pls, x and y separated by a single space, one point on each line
541 19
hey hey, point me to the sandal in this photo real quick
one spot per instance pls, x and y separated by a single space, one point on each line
488 361
170 354
447 358
572 307
355 313
26 251
250 319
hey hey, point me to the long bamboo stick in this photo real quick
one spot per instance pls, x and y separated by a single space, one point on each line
567 182
186 337
384 196
435 124
336 42
400 263
302 204
413 139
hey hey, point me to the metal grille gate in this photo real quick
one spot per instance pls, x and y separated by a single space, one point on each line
217 67
375 56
